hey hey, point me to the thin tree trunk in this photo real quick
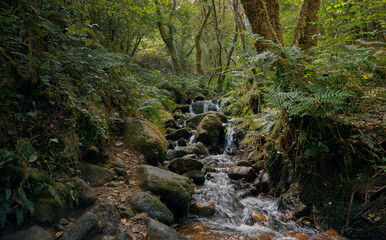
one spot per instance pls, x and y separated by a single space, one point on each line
229 57
218 62
197 43
239 21
168 40
306 29
137 42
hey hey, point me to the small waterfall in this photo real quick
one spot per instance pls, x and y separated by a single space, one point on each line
230 142
191 112
192 137
206 105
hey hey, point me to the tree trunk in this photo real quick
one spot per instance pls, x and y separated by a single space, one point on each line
306 29
197 43
218 60
263 15
168 40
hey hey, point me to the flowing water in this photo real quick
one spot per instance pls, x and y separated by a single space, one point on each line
233 206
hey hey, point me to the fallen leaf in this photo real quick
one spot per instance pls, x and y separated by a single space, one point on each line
371 215
58 234
330 203
377 218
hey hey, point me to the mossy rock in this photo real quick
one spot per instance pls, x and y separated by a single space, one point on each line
173 189
49 210
165 120
195 120
146 138
210 131
198 149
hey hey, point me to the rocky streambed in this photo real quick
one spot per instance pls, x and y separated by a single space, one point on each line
187 184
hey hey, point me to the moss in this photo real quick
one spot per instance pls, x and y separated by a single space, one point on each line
39 175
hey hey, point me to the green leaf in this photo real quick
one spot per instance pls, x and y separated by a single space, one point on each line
19 216
88 42
33 158
55 140
71 29
87 22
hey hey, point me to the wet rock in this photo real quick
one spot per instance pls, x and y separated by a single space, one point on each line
198 149
244 163
96 175
240 172
259 217
86 195
291 200
159 231
32 233
84 226
177 134
195 120
327 235
146 138
182 165
190 156
199 98
197 176
48 210
262 183
182 142
152 206
117 162
210 131
297 235
171 145
203 209
173 189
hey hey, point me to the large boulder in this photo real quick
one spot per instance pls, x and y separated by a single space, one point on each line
32 233
84 226
177 134
182 165
96 175
210 131
49 210
159 231
195 120
240 172
198 149
146 138
173 189
152 206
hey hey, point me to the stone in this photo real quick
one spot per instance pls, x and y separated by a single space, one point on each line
152 206
86 195
171 145
190 156
159 231
182 165
195 120
241 172
96 175
177 134
204 106
297 235
146 138
262 183
173 189
327 235
48 210
198 149
182 142
179 115
32 233
166 120
197 176
182 107
244 163
84 226
259 217
203 209
291 200
107 212
121 172
210 132
117 162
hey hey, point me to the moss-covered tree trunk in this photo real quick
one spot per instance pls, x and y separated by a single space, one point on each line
197 43
263 15
168 40
306 29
